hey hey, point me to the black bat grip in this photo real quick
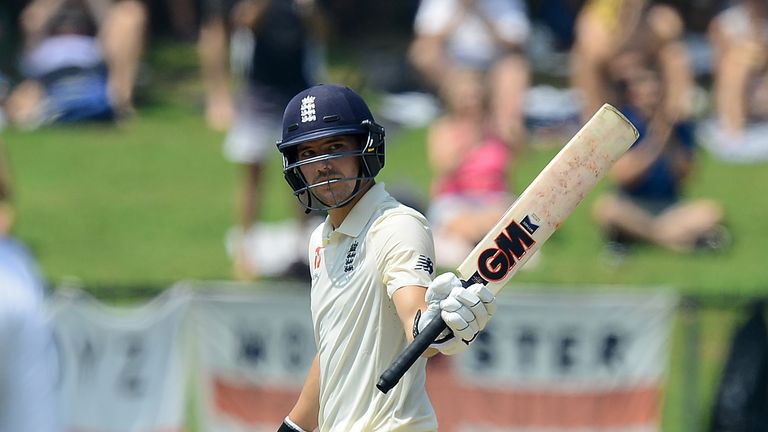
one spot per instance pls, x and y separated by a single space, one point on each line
412 352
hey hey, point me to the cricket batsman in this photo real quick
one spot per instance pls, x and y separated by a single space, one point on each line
372 265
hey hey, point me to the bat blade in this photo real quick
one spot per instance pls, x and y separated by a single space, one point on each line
539 211
550 198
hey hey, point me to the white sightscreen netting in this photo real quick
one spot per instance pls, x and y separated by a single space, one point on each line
121 369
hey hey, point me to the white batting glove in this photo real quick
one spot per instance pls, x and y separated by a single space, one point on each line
466 311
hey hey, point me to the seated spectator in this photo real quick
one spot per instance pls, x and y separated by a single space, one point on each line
81 58
485 35
739 38
470 169
648 205
66 75
605 28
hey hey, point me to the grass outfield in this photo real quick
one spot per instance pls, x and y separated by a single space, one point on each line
148 203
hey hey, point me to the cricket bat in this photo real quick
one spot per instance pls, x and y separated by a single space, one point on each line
533 217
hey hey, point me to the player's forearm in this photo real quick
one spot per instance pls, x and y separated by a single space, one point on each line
409 335
307 408
409 301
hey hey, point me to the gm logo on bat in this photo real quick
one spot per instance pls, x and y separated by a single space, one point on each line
495 263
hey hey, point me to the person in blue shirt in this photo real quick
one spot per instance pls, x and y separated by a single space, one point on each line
28 362
647 204
27 358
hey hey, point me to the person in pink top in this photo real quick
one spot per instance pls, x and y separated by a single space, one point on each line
470 167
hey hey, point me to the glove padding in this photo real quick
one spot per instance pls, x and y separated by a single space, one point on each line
466 311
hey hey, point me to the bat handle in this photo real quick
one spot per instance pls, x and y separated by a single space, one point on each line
412 352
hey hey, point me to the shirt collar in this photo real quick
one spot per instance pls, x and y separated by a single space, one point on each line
362 211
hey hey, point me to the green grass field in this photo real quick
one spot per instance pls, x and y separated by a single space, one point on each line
148 202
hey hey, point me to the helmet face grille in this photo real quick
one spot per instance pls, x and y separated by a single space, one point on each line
370 160
324 111
308 196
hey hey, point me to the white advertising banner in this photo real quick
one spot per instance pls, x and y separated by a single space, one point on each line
560 362
253 352
121 369
548 361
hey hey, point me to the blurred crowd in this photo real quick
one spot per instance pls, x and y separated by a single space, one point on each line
670 66
79 61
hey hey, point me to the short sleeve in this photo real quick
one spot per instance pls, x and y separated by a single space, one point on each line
405 252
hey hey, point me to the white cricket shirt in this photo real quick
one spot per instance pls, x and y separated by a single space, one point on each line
381 246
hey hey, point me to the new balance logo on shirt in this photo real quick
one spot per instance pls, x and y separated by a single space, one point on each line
424 263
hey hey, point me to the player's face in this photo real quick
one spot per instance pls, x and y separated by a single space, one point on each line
332 180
